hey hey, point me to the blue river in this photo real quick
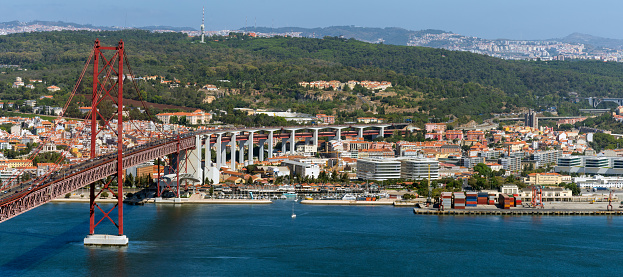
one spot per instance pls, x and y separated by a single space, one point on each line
263 240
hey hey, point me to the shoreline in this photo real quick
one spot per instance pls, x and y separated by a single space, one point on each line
83 200
347 202
169 201
519 212
554 208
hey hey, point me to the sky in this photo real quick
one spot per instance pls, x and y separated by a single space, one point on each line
492 19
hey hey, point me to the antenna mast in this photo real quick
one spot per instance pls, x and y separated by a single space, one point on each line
202 25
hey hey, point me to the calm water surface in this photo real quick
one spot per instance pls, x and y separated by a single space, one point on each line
211 240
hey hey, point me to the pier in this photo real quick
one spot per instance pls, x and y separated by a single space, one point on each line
515 212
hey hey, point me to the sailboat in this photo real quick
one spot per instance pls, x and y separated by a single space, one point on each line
293 214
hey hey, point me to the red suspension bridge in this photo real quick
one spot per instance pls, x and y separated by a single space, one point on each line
104 170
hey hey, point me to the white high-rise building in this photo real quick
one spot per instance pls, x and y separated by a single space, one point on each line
378 169
419 168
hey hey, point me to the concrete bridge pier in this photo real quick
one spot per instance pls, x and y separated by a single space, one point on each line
210 172
381 131
360 133
219 152
261 156
241 153
338 133
250 146
270 143
315 136
232 145
194 160
293 141
284 141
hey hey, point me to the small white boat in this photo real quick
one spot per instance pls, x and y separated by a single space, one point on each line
293 215
349 196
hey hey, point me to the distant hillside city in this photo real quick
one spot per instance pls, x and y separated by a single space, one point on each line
574 46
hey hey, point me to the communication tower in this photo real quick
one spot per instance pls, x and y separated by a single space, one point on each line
202 25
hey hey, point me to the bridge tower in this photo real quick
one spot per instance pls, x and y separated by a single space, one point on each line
107 90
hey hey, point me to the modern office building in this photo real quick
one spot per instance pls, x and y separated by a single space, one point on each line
543 158
590 165
378 169
419 168
570 161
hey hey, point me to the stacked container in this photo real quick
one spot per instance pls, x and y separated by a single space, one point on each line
491 198
459 200
446 199
483 198
505 201
517 200
471 199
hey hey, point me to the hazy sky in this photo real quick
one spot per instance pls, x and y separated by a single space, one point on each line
525 19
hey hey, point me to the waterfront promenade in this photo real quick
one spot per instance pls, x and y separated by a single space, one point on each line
550 208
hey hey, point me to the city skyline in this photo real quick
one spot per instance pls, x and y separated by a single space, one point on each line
486 18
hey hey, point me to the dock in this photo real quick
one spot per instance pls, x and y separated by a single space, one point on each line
346 202
516 212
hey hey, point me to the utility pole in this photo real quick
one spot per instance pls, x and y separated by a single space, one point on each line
428 199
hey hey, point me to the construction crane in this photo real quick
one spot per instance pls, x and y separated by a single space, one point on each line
537 197
609 207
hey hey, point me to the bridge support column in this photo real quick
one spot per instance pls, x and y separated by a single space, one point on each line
315 137
338 133
250 146
211 173
232 144
193 162
224 153
208 154
270 143
284 151
219 154
360 133
241 153
293 142
261 156
381 131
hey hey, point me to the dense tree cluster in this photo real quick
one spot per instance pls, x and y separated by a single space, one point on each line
263 73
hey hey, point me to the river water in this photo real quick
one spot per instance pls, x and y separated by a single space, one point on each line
245 240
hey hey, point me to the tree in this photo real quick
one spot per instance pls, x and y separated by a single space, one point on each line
482 169
334 176
344 178
575 189
129 181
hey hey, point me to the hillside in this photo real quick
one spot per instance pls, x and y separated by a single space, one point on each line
389 35
264 73
593 40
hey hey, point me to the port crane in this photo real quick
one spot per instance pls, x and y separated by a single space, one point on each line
537 197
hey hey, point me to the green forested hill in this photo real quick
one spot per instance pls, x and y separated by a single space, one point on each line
264 73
